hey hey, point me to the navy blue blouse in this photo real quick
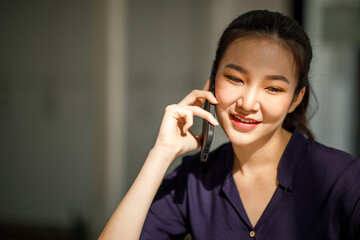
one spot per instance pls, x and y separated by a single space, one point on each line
318 197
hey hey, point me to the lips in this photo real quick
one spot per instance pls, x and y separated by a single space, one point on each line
243 123
244 119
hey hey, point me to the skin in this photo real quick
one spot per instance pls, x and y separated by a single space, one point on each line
256 79
174 138
257 152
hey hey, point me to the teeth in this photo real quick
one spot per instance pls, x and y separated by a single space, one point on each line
242 120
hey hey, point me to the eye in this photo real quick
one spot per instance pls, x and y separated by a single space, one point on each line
234 79
275 89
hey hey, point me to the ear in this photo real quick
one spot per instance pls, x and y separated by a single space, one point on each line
297 100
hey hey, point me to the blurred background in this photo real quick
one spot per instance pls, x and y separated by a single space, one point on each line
83 87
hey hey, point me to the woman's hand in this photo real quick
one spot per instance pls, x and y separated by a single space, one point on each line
174 135
174 138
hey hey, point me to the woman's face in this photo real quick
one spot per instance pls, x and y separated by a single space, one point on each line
255 85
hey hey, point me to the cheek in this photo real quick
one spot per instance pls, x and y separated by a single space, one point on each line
225 93
225 98
276 109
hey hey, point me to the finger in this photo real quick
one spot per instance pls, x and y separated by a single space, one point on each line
198 111
198 97
189 121
182 115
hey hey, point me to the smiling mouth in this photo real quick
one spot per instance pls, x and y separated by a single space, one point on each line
244 120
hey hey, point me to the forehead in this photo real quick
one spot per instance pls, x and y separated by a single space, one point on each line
260 53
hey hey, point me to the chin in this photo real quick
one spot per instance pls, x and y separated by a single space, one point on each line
258 136
241 139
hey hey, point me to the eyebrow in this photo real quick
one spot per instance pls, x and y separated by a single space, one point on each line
277 77
246 72
238 68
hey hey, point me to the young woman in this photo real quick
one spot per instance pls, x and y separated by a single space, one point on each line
269 181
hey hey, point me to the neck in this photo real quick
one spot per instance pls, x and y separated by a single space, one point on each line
258 158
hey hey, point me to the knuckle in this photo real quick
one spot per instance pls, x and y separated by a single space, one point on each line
190 114
195 92
188 111
200 109
169 107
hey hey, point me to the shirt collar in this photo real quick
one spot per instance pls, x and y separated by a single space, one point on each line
290 158
288 162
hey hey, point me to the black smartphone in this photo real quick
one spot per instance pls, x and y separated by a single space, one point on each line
208 128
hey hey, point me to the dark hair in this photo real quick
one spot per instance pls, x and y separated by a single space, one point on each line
273 25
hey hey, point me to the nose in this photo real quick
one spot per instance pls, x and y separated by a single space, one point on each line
249 100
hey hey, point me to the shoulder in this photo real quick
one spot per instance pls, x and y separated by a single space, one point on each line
316 161
329 178
339 174
328 157
334 167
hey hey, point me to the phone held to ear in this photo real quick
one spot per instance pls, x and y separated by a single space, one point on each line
208 128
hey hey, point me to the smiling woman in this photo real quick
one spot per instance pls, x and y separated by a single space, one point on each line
269 181
255 81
